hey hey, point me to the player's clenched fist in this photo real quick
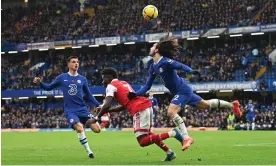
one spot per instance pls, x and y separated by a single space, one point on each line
37 80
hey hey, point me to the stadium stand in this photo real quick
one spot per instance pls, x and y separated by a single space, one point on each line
61 20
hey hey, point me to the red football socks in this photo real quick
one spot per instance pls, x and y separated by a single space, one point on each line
153 139
162 146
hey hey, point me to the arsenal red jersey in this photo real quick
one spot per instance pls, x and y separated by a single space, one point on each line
120 89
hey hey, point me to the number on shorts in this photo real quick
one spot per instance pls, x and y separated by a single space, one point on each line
176 97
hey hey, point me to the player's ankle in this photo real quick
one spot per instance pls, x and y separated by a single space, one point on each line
169 151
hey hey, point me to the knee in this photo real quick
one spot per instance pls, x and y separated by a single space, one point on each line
78 127
171 113
173 109
96 130
203 104
95 127
141 142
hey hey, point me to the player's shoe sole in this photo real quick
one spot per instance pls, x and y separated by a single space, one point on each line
187 143
170 157
236 108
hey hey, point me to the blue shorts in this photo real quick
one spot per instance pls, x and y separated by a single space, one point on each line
250 118
154 114
186 99
81 116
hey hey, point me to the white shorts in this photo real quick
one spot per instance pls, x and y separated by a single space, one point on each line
142 122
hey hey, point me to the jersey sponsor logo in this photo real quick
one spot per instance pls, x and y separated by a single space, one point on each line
71 120
65 80
79 81
73 89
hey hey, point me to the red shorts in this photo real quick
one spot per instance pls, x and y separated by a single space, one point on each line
142 122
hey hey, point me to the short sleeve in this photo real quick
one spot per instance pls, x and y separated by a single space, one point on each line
110 90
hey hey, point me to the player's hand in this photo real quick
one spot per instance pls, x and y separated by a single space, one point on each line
95 118
37 80
98 109
131 95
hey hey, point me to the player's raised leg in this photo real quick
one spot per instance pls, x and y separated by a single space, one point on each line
217 103
93 125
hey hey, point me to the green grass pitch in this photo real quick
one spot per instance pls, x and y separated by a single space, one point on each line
63 148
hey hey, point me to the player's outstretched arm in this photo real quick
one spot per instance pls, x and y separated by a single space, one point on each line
148 85
105 107
179 66
116 109
45 86
90 97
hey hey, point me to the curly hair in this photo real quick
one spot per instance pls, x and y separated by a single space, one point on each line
168 46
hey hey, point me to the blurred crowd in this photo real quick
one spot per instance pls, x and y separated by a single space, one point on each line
18 71
68 19
268 15
37 116
226 63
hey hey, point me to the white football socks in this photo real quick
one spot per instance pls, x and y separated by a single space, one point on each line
216 103
178 121
84 142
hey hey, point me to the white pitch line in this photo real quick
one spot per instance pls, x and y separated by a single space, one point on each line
259 144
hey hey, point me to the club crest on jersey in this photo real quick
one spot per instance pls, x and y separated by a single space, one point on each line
160 70
71 120
79 81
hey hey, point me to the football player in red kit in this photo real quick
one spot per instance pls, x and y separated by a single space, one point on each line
105 121
141 110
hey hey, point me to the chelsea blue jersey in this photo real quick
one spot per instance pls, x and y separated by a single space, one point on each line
250 109
166 69
73 88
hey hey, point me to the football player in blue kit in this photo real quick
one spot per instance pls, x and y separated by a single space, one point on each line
250 117
166 68
74 86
